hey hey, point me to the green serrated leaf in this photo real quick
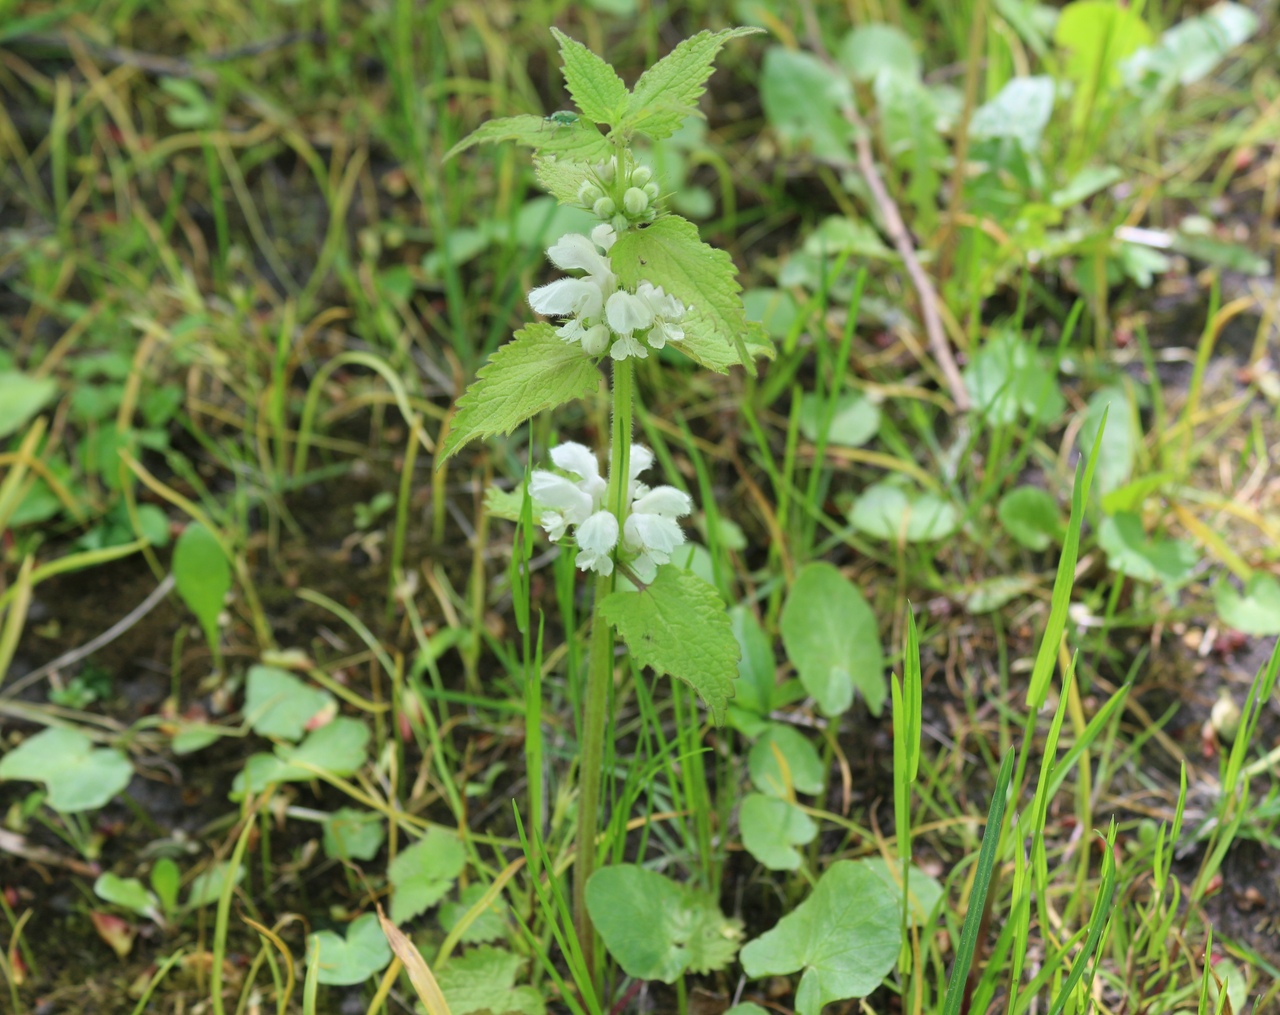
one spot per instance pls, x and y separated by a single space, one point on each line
831 635
483 980
670 253
536 370
423 873
844 936
669 90
658 929
562 178
578 141
595 86
772 829
679 626
490 925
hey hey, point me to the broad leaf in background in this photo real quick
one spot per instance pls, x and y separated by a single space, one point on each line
1098 35
781 745
422 874
353 834
202 576
925 890
831 636
536 370
345 961
679 626
337 748
278 704
128 893
21 397
772 829
1256 611
78 775
670 253
206 887
908 123
483 980
803 102
669 90
869 49
855 421
892 512
1119 446
657 929
1189 51
844 936
753 698
1020 111
490 925
1008 376
1030 515
1132 552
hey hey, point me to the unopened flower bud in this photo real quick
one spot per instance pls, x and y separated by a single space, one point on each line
595 340
608 170
603 207
1225 716
651 189
620 223
635 200
641 175
589 194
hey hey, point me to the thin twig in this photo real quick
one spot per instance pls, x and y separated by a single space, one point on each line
894 226
92 646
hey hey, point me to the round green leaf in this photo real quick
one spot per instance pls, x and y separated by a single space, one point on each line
889 512
771 830
79 776
1256 611
854 421
845 936
1030 516
781 744
351 834
831 635
349 960
278 704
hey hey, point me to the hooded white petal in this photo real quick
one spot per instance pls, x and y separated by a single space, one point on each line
565 296
663 332
639 460
573 250
603 236
576 458
656 535
595 340
566 496
645 568
663 500
627 312
597 537
555 523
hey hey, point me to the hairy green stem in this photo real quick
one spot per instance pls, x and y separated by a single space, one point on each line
595 709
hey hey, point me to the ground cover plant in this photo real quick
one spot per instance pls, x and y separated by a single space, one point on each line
621 507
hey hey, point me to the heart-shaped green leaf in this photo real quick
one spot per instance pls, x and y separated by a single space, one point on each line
1256 611
844 936
891 512
79 776
351 834
1030 515
780 746
831 635
278 704
423 873
772 829
658 929
344 961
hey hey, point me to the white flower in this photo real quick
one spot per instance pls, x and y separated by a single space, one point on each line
628 345
568 502
627 312
666 310
651 531
580 299
597 537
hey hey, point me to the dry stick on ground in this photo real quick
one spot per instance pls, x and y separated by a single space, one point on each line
894 226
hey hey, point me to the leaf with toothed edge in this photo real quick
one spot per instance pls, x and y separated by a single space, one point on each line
536 370
595 86
678 625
